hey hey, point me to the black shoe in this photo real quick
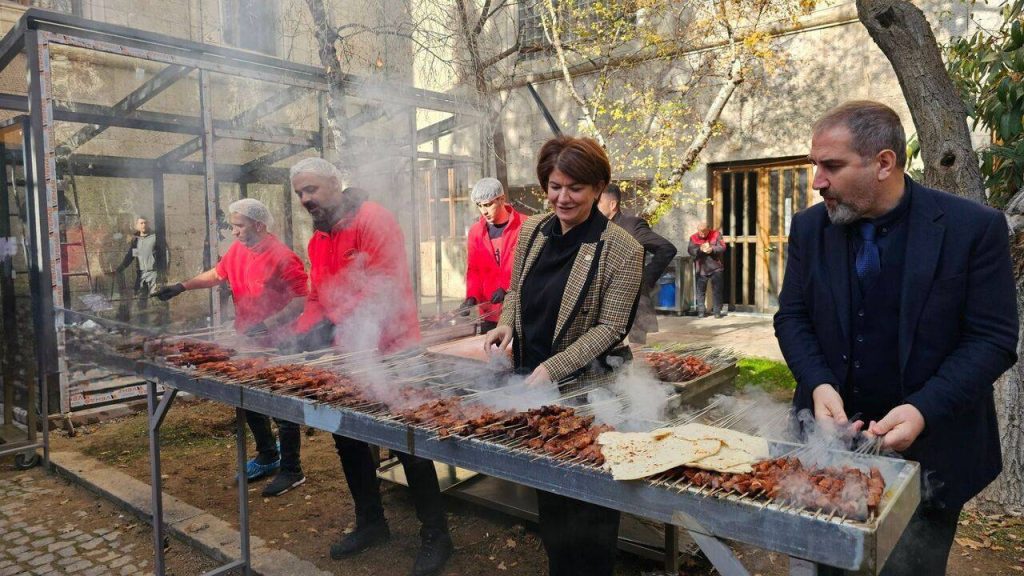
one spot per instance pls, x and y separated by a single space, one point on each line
284 481
434 552
364 538
702 314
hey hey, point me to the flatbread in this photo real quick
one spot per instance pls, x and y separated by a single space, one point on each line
633 455
739 451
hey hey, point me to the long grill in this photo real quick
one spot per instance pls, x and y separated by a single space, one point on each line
815 535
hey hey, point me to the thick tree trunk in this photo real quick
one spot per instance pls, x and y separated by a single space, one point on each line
902 32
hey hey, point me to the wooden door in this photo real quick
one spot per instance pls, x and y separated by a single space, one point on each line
753 207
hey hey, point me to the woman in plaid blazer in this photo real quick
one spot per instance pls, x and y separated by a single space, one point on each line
573 296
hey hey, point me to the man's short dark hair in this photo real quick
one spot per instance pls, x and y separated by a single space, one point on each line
615 192
873 127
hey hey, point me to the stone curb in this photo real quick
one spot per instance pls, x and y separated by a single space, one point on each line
211 535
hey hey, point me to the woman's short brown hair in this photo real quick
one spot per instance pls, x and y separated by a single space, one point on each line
581 159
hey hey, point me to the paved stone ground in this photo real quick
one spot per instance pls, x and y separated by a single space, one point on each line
31 543
746 334
49 527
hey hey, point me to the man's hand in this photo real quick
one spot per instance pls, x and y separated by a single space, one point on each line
539 377
499 296
466 306
167 292
705 248
900 427
500 337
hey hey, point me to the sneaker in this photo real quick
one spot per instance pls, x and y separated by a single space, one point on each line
254 470
283 482
364 538
721 314
435 551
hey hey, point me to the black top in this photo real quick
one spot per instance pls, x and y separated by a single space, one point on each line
544 285
661 251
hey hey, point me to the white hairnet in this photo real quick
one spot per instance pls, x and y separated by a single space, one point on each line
317 166
252 209
485 190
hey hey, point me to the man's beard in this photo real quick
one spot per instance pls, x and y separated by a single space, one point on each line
842 214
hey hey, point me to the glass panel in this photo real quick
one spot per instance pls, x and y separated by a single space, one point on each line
801 191
738 205
752 203
726 222
773 202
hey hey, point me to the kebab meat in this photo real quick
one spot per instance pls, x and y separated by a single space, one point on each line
672 367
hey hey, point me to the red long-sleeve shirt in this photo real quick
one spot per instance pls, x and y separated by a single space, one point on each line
489 263
359 280
263 279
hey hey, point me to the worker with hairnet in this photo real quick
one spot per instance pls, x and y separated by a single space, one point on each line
492 242
269 286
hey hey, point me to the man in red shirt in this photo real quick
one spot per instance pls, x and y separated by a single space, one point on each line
361 298
268 283
492 245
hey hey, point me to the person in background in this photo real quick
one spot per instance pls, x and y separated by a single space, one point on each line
575 284
361 298
491 244
150 260
269 286
899 304
706 247
658 254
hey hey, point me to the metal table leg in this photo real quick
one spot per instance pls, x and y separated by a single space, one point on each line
243 492
671 549
157 412
719 554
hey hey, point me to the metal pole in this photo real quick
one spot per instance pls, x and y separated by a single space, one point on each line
243 491
212 234
154 468
671 549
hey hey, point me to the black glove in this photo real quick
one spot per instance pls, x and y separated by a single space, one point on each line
319 336
257 330
466 306
168 292
499 296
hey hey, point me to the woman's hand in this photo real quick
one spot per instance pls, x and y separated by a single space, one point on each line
539 377
500 337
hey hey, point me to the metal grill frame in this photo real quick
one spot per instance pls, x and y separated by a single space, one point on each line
862 547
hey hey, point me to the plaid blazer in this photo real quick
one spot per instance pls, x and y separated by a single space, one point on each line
598 305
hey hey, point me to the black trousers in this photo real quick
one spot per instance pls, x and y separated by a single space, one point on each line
580 538
361 474
717 289
923 548
291 440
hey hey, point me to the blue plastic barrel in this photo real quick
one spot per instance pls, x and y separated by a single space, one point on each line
667 292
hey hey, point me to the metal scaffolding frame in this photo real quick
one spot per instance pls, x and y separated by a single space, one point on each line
36 35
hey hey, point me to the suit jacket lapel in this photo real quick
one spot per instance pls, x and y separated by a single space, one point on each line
574 286
924 244
837 257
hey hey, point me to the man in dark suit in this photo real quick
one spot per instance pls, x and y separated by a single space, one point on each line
899 305
658 253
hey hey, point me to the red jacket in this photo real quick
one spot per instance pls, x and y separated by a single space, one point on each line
485 273
359 280
263 279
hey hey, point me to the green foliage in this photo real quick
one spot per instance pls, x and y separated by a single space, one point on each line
988 68
763 373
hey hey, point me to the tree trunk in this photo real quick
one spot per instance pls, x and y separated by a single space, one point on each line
902 32
337 119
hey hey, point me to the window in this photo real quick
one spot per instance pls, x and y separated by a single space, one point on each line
531 26
250 24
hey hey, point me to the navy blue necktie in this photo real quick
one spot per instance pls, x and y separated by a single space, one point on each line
868 262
